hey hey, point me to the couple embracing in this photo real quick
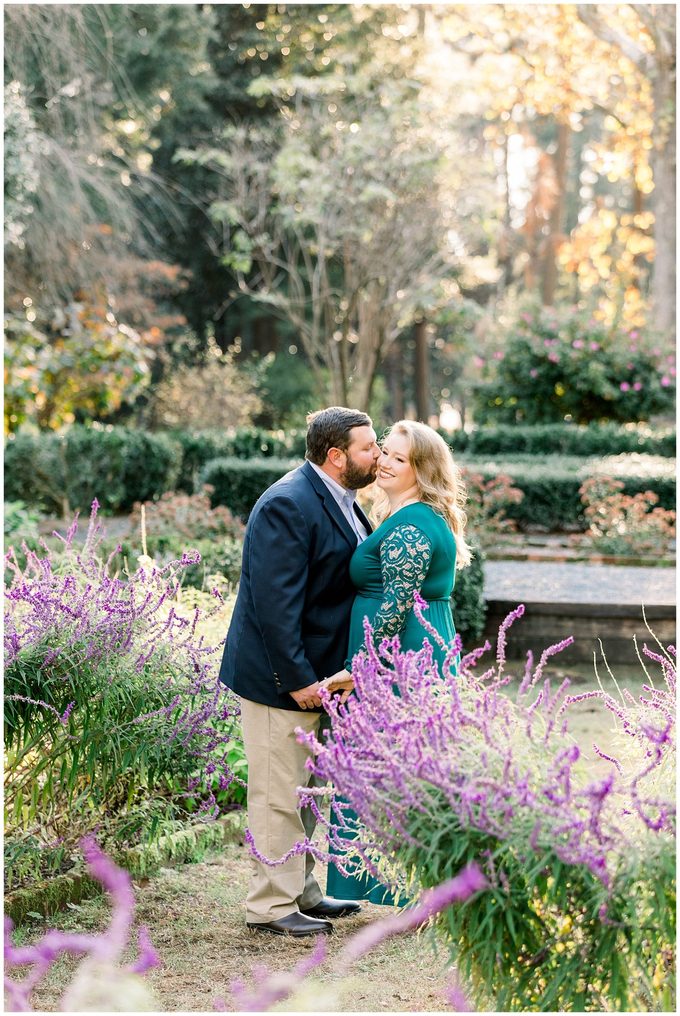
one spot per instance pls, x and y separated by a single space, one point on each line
313 568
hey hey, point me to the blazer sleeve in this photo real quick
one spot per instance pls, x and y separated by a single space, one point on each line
278 565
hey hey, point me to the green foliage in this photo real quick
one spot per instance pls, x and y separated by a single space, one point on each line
238 483
556 365
109 707
551 484
21 172
564 438
87 364
468 603
199 448
178 522
20 523
67 470
536 942
287 389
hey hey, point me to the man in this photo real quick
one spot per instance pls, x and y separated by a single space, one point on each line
288 632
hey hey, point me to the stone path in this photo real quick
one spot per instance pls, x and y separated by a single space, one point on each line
540 582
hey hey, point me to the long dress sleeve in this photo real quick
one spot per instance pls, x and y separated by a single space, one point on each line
405 556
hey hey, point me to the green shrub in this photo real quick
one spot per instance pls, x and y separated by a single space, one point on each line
248 442
35 471
65 471
551 484
558 364
151 466
220 560
237 483
565 439
468 603
20 523
95 467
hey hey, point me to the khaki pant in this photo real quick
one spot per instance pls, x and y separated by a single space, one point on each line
276 767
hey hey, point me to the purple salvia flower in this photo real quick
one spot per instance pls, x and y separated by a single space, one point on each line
457 998
501 644
276 987
432 902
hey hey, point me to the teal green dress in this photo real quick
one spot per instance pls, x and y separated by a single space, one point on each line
414 549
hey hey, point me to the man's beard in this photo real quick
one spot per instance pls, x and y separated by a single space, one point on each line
355 477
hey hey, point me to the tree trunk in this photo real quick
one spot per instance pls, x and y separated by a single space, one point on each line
549 279
663 198
422 370
395 380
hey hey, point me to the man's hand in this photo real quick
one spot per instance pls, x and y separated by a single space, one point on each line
307 698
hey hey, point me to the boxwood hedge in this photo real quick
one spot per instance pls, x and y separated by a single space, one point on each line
63 472
564 439
550 484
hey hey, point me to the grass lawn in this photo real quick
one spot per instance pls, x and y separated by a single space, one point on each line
195 916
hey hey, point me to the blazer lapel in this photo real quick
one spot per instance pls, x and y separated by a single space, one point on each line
330 504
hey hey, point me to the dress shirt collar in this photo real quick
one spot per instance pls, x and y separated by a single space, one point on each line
339 492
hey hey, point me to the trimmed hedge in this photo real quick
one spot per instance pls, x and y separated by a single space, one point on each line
468 603
564 439
551 484
237 483
199 448
63 472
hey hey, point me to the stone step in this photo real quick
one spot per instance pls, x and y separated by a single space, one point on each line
590 602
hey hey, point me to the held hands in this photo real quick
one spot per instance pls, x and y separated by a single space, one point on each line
307 698
342 681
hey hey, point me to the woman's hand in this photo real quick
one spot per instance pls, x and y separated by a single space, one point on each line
342 681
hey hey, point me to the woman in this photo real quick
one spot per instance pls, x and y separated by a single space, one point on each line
417 547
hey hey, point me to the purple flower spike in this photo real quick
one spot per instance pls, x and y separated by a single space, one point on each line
106 947
432 902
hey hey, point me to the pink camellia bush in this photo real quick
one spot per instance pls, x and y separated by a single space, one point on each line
444 768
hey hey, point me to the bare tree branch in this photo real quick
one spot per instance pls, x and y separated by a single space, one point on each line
591 17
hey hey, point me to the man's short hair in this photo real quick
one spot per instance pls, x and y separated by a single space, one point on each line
330 428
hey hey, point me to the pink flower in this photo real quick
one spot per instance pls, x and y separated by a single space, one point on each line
665 381
553 357
498 355
547 343
577 343
594 345
526 317
629 366
624 386
634 335
637 387
672 371
533 372
478 361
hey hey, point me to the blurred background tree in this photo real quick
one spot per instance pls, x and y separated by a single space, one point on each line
358 200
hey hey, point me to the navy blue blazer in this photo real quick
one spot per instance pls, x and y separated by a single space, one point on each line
291 619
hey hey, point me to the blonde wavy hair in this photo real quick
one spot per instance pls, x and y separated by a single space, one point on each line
439 480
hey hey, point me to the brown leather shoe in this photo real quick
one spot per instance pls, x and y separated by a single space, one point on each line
328 908
295 924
